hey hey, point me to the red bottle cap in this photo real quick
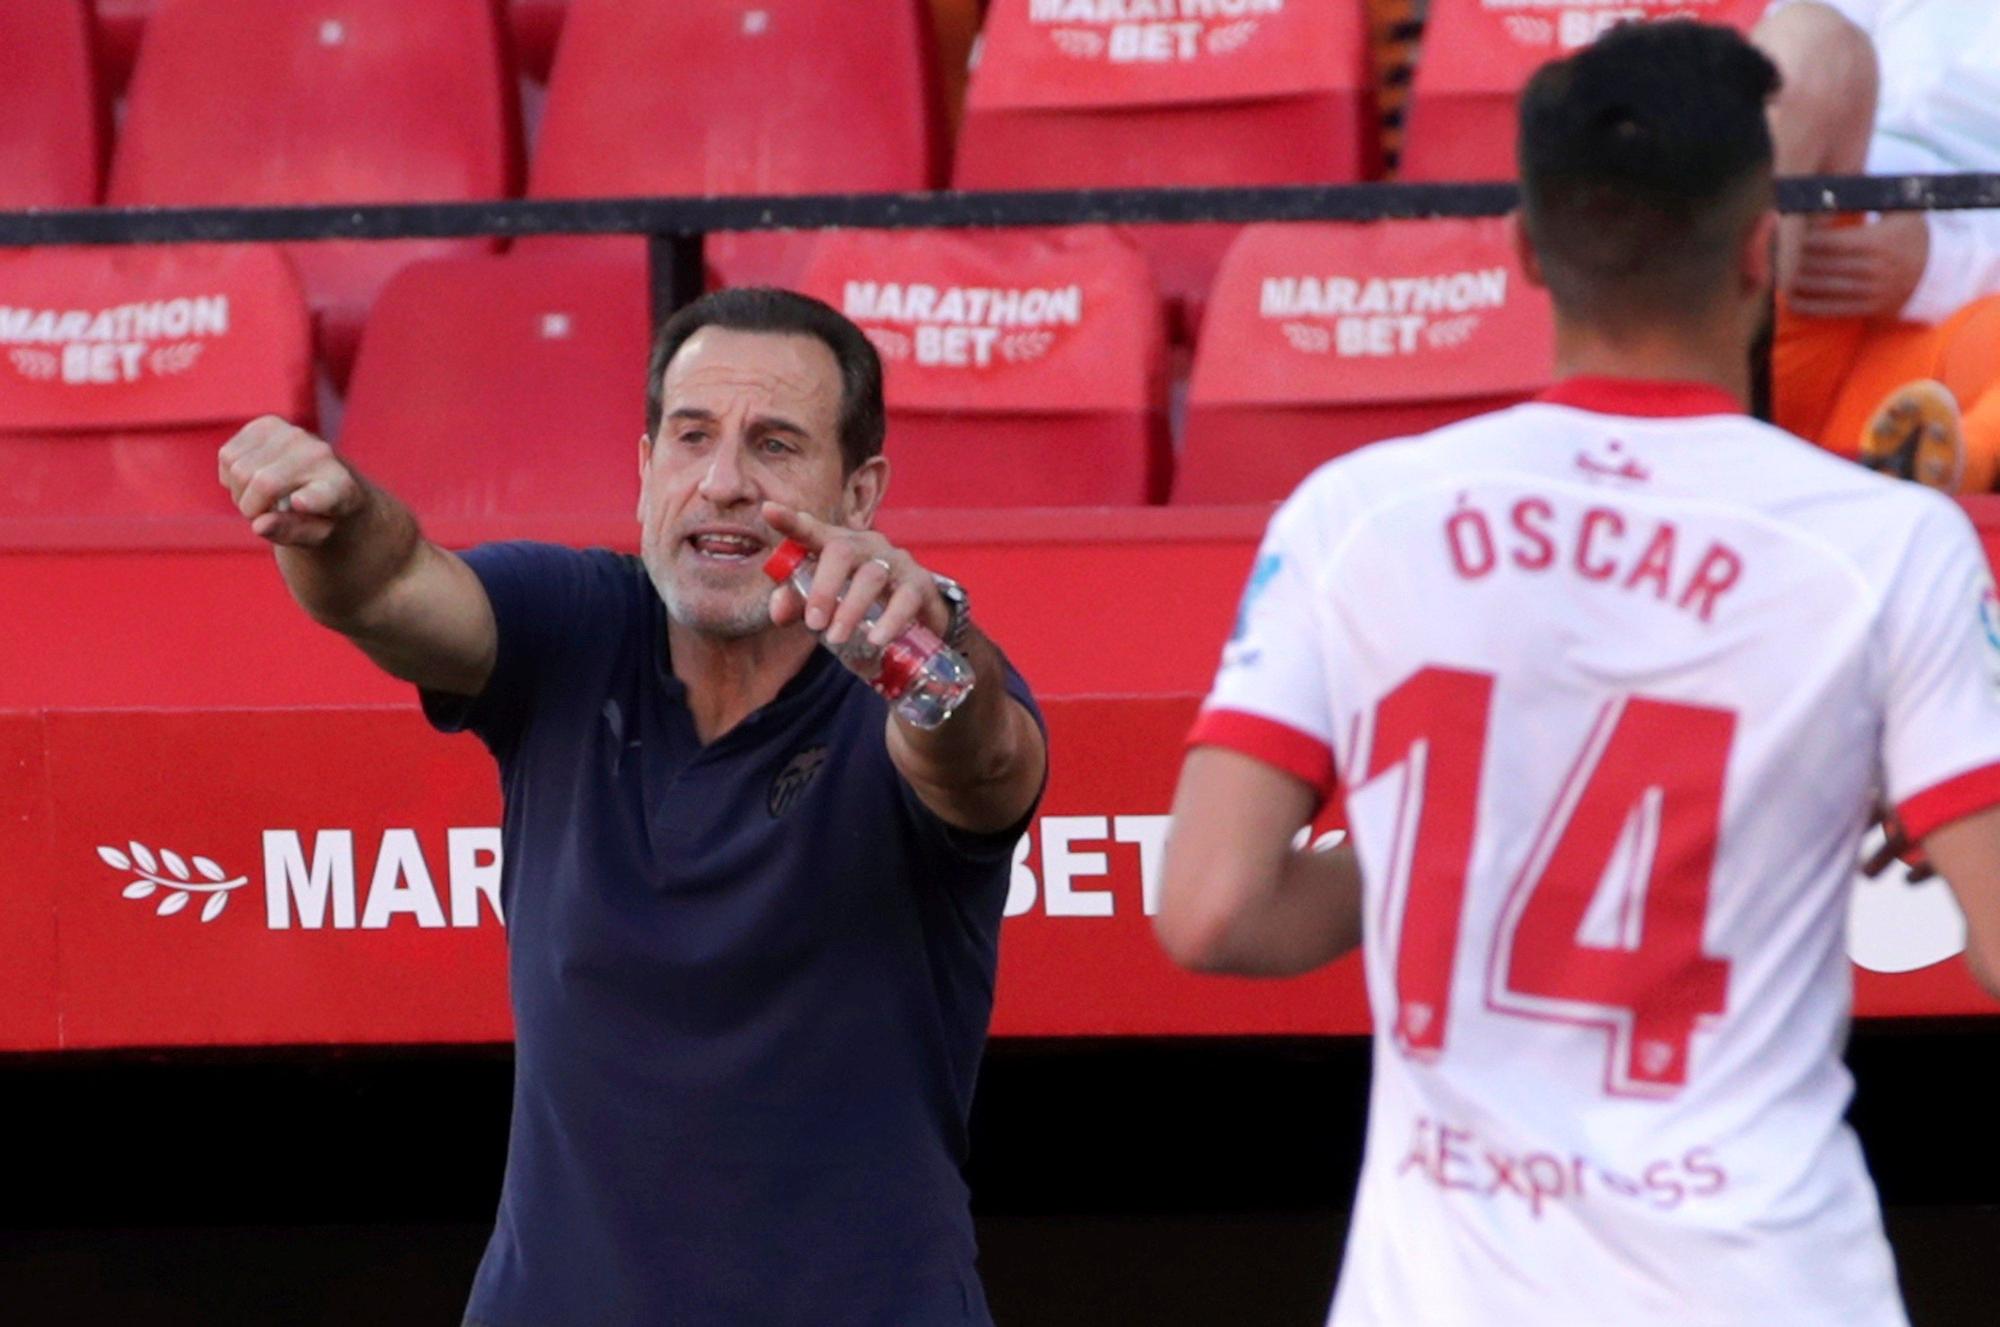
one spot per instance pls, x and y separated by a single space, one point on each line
785 560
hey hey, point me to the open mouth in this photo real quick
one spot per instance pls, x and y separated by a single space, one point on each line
726 546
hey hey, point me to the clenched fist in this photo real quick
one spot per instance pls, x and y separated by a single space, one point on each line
289 484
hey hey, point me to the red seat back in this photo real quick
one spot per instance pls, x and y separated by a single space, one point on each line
791 97
496 387
51 123
122 369
750 97
1068 94
1323 338
322 101
1021 368
1479 54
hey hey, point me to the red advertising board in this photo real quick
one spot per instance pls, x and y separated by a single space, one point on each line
322 868
244 877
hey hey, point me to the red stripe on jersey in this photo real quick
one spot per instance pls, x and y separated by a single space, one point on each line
1954 799
1297 753
1642 398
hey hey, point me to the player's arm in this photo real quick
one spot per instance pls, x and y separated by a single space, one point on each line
353 557
1967 854
1235 896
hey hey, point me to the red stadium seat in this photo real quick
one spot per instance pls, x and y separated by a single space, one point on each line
503 387
1066 95
665 97
1323 338
121 24
51 121
1022 369
322 101
1479 54
122 370
537 26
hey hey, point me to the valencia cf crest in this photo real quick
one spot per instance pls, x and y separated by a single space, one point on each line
794 779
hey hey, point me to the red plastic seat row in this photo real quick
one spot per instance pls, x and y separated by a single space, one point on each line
1022 369
316 101
1074 94
295 101
52 122
123 370
1478 55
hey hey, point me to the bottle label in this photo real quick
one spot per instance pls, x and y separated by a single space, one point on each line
903 659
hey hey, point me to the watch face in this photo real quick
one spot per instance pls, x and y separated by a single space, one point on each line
960 605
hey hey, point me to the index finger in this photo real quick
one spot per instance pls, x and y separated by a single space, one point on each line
795 524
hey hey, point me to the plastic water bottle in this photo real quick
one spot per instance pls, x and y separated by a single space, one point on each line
922 677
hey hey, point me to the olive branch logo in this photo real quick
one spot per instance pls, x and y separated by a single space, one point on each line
169 871
176 358
35 365
1231 37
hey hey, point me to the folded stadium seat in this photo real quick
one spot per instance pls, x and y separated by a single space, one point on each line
52 126
1322 338
1479 54
323 101
1073 94
505 387
537 25
778 97
122 370
121 24
1021 368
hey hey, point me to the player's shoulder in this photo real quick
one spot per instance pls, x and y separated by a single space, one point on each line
1810 485
1392 468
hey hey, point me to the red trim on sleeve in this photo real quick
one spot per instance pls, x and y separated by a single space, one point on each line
1641 399
1954 799
1297 753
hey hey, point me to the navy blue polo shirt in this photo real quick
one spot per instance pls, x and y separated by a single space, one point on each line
751 984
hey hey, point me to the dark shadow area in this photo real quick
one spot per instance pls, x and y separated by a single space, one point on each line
1126 1182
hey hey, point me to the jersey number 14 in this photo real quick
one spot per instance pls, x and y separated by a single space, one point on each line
1648 778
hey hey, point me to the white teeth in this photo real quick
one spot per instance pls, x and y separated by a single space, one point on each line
730 547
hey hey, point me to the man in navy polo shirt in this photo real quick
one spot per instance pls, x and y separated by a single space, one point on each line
753 918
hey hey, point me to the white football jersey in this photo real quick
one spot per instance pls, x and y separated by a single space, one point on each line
1610 683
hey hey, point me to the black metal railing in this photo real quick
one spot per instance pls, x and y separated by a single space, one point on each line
678 227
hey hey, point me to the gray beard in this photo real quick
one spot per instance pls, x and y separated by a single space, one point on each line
750 619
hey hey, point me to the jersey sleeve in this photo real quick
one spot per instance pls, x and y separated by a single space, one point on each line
1271 699
1941 727
538 593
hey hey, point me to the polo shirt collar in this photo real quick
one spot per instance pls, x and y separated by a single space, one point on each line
819 665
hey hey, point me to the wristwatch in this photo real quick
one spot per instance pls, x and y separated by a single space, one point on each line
960 604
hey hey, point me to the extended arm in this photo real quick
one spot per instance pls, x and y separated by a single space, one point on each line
353 557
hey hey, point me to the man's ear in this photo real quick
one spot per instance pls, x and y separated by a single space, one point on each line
863 493
645 467
1524 250
1759 260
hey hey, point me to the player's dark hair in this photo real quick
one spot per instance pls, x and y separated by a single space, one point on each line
863 417
1645 159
